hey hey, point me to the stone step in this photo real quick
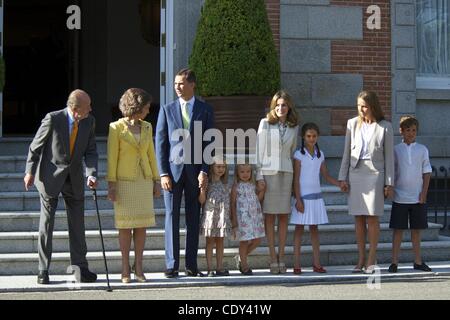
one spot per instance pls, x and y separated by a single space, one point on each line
343 254
29 201
27 242
16 164
20 145
13 182
29 220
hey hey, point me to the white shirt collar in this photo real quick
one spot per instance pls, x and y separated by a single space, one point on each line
71 118
190 101
410 145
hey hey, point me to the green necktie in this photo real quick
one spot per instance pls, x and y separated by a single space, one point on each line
185 115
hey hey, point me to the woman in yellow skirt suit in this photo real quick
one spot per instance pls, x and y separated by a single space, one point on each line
133 177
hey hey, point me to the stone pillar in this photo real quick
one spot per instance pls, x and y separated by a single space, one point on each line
403 59
308 31
1 52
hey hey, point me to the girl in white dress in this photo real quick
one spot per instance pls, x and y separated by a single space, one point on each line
308 206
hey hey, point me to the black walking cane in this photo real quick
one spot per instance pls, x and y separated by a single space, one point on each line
101 236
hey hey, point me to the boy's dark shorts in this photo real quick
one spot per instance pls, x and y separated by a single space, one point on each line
414 213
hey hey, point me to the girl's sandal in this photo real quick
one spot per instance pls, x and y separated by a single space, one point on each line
319 269
297 270
274 268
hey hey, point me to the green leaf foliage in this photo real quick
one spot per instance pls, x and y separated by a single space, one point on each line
234 52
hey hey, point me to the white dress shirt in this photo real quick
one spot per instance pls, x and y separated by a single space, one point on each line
190 107
367 131
411 162
71 120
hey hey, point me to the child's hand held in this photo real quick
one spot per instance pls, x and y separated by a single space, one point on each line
300 206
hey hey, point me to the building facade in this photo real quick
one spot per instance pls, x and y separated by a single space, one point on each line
332 49
329 51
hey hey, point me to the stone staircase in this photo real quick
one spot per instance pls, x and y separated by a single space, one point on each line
19 221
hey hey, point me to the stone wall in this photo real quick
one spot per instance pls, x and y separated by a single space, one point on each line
328 56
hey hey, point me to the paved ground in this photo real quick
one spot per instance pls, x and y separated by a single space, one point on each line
424 288
337 277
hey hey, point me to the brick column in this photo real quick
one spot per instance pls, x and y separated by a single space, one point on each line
273 13
328 55
370 57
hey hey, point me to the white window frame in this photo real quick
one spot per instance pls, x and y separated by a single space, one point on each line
431 81
166 52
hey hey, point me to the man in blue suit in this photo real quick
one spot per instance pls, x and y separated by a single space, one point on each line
179 172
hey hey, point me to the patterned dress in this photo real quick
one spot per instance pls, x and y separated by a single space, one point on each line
215 221
249 213
133 207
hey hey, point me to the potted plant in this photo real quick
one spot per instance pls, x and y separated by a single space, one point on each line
235 60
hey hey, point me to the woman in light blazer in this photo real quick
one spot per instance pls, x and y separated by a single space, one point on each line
368 166
276 143
132 172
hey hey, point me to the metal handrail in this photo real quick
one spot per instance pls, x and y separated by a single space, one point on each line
435 172
441 202
444 170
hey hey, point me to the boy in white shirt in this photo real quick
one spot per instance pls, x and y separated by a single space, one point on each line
412 178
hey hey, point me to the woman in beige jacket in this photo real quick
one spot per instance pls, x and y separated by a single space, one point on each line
277 141
368 166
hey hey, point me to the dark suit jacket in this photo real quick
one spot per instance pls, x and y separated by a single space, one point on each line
167 149
49 155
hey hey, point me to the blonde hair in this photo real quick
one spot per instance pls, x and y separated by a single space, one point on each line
236 173
373 102
292 117
219 160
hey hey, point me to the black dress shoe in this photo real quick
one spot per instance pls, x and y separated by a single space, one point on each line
171 273
222 273
43 277
87 276
193 273
393 268
422 267
248 272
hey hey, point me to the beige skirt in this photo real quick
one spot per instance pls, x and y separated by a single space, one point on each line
366 196
133 207
277 199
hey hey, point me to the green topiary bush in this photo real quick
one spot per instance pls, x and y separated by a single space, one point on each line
234 52
2 73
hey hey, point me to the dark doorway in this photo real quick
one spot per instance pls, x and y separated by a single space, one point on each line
38 62
117 48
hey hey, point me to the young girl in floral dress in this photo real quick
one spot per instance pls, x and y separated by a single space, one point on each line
215 222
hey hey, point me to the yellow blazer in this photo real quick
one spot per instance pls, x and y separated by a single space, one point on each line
125 155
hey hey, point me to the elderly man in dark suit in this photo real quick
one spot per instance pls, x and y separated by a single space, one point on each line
54 165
